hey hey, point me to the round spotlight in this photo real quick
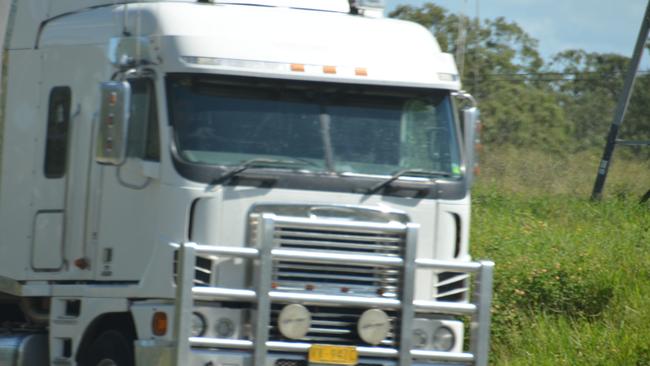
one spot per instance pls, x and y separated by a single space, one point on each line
373 326
443 339
294 321
225 328
198 325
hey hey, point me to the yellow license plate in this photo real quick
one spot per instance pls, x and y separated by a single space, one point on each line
334 355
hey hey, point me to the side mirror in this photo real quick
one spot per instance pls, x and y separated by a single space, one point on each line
113 122
471 140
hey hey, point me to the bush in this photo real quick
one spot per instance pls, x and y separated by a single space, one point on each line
571 275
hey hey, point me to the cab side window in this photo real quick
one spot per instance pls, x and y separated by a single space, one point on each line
144 139
58 128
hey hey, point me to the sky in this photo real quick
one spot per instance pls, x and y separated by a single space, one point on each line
593 25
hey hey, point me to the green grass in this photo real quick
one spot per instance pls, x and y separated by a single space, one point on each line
572 276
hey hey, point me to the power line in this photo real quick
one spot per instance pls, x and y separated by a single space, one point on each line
553 76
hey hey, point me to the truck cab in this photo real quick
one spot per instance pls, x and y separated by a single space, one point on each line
242 182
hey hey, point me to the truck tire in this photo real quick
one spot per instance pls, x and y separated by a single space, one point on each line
111 348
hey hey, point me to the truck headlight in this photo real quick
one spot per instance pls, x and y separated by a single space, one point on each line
294 321
198 325
443 339
373 326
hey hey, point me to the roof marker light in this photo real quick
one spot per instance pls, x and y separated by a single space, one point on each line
298 67
361 71
329 69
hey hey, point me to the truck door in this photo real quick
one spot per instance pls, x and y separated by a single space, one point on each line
120 221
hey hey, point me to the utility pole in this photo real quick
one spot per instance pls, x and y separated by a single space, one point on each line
621 108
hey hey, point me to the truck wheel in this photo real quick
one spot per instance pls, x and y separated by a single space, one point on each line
111 348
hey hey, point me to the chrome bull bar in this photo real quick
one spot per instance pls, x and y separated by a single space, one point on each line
263 296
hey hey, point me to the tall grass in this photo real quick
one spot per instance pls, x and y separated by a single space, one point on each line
530 172
572 276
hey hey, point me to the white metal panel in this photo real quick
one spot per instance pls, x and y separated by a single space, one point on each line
132 221
25 190
30 14
28 17
47 194
47 249
446 210
88 28
84 83
18 155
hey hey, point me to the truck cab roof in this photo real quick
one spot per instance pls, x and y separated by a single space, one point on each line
392 51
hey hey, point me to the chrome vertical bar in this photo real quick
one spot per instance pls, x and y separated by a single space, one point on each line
408 294
184 303
482 296
264 271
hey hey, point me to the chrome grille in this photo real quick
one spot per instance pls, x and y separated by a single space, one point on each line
345 278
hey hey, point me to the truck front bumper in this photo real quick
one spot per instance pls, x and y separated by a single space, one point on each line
157 353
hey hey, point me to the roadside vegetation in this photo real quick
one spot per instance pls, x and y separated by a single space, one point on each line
572 276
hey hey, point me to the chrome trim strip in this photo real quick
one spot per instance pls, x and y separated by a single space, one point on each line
335 258
480 328
263 281
448 266
408 294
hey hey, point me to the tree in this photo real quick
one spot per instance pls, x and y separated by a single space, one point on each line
590 95
500 56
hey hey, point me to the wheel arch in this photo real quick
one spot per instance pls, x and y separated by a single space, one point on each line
119 321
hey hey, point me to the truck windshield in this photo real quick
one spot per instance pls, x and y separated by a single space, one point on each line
331 127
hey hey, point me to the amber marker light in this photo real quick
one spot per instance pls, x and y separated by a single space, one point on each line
361 71
82 263
329 69
298 67
159 323
112 99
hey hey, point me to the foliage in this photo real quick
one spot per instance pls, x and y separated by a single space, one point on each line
571 274
565 105
514 111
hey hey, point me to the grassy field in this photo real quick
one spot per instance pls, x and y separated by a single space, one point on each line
573 276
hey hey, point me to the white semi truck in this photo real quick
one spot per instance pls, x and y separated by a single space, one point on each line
236 183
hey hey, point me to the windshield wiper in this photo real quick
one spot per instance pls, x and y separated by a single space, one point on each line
403 172
260 162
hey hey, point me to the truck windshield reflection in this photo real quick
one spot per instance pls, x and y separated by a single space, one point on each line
339 127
